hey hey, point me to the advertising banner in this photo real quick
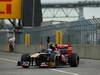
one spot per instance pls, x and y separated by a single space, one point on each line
10 9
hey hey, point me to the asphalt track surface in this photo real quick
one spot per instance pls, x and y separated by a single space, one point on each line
8 67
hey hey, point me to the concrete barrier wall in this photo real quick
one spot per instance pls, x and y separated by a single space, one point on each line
87 51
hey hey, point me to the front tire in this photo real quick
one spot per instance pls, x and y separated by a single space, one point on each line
25 58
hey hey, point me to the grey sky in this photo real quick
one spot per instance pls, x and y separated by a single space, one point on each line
88 12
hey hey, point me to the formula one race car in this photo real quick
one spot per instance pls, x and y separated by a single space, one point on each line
60 55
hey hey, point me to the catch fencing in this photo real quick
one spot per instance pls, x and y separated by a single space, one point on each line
78 32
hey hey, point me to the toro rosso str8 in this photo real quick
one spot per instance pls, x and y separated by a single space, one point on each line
54 56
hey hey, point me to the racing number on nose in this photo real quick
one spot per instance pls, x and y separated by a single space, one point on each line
8 7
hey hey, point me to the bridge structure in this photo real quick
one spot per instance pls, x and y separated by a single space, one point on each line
67 10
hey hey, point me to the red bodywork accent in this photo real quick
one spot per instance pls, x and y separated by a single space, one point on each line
66 46
70 52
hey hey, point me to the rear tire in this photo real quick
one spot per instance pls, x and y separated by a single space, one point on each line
74 60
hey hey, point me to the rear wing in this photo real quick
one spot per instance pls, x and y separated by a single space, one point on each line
63 46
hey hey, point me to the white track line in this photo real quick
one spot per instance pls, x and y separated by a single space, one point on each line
10 60
65 72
